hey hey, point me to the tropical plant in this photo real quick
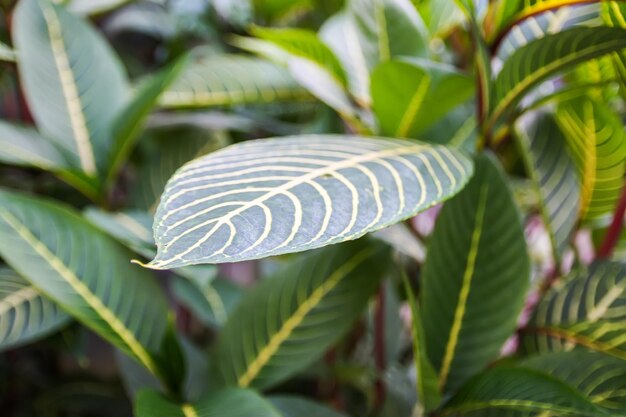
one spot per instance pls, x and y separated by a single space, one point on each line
332 208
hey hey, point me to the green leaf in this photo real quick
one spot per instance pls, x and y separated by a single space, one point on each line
503 389
85 272
73 81
223 403
6 53
387 29
554 175
129 122
300 407
211 303
410 96
94 7
600 378
472 298
442 16
224 80
25 315
585 310
427 381
543 58
290 194
597 140
24 146
289 320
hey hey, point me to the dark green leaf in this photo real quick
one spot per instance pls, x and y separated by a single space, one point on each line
300 407
211 303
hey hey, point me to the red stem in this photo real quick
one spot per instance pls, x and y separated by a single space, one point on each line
379 346
612 235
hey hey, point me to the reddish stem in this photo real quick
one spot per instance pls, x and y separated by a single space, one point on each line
379 345
612 235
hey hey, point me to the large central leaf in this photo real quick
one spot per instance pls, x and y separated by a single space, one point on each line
276 196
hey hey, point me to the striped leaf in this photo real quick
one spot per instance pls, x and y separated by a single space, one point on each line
554 175
587 310
25 315
275 196
472 297
503 391
85 272
410 96
73 81
223 403
211 79
597 140
212 303
542 58
600 378
289 320
24 146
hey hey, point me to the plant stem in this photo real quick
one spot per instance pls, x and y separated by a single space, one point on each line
379 345
612 235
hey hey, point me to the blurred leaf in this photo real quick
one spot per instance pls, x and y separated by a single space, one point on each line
409 96
463 336
596 138
225 403
24 146
85 272
94 7
441 16
300 407
587 310
25 315
291 195
223 80
6 53
554 176
73 82
289 321
238 13
211 303
503 389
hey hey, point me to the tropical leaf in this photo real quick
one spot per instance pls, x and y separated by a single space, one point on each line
298 407
224 403
387 29
586 310
554 175
290 320
24 146
211 303
55 250
73 81
502 389
600 378
25 315
488 291
598 143
211 79
275 196
6 53
542 58
410 96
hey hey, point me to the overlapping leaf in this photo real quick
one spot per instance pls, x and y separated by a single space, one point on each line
553 172
73 82
211 303
598 143
290 194
25 315
85 272
587 310
22 145
290 320
545 57
223 80
476 274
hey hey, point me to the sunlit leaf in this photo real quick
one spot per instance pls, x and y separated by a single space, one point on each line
300 407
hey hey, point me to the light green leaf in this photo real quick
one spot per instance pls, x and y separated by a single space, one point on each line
387 29
24 146
211 303
73 81
290 194
600 378
597 140
301 407
410 96
211 79
6 53
289 320
25 315
472 298
224 403
94 7
503 389
553 174
586 310
441 16
85 272
542 58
